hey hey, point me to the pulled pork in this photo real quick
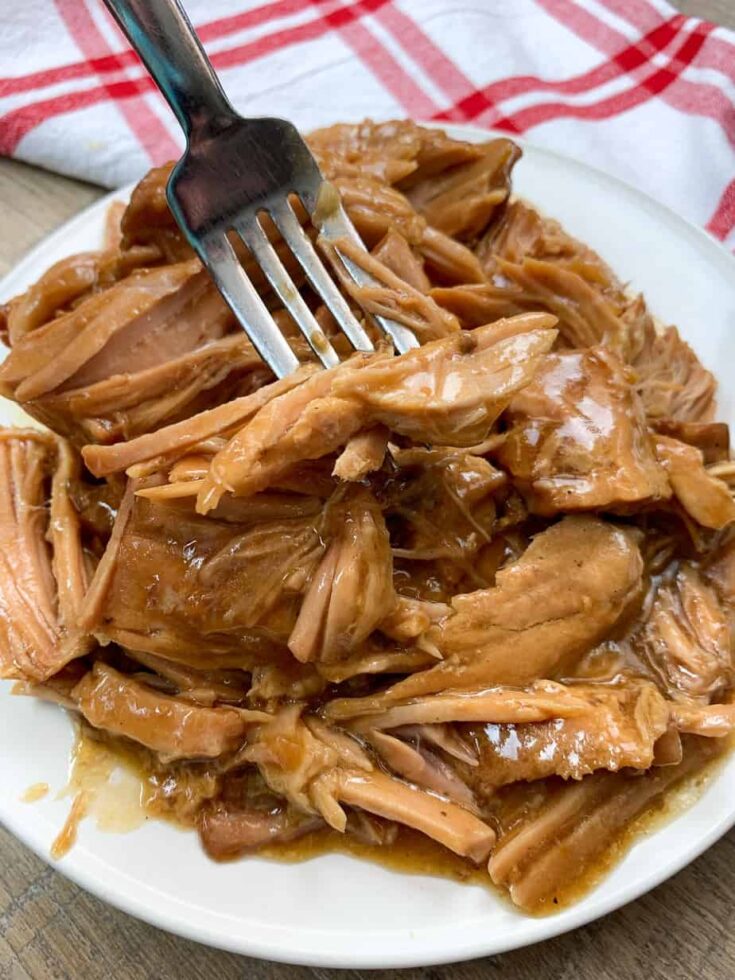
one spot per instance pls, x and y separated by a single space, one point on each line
484 590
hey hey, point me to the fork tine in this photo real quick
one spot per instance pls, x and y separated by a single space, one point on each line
304 252
219 257
255 238
337 225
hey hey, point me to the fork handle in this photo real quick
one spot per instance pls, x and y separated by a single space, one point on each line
161 33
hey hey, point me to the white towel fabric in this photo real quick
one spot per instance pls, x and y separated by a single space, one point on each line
629 86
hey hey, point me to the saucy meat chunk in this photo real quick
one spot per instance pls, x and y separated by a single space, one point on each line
173 728
578 438
569 588
184 586
619 729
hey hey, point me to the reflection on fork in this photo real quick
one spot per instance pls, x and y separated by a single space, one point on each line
234 172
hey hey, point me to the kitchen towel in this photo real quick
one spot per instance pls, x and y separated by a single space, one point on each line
630 86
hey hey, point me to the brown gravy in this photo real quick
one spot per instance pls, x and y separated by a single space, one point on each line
115 783
413 853
35 792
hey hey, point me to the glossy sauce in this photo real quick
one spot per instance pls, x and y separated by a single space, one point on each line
119 785
67 836
35 793
103 786
413 853
656 815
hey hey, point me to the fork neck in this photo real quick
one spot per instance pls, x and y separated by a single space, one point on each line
161 33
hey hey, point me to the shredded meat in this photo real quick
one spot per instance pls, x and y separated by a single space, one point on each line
711 438
524 233
578 438
364 453
687 637
462 201
394 252
41 586
173 728
174 581
556 844
227 831
69 281
586 317
620 729
147 219
389 295
155 346
417 763
318 769
566 592
351 590
542 701
467 383
72 342
671 381
483 591
28 621
170 442
447 500
705 498
397 152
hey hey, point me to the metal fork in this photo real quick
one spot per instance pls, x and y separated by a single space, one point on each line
234 170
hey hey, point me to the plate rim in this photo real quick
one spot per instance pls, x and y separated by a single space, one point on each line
534 929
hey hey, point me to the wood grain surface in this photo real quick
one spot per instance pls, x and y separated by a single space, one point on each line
52 930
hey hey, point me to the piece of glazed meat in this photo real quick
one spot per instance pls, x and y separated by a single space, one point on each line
578 439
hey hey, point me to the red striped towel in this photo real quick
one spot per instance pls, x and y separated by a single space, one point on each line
630 86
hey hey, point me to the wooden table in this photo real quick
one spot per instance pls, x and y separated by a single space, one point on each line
49 928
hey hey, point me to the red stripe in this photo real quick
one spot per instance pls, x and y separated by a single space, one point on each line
691 97
722 221
18 123
15 124
654 84
718 54
642 15
142 121
214 29
703 99
428 55
585 25
65 73
381 62
210 31
339 18
626 60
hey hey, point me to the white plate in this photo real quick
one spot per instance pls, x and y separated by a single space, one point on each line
337 911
